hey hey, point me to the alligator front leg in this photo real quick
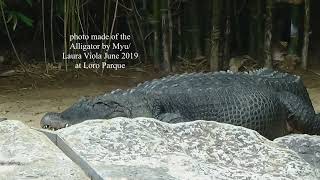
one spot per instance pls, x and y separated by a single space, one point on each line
302 116
172 118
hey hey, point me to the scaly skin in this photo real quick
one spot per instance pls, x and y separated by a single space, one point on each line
262 100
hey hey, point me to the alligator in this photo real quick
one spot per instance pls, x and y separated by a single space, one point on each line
268 101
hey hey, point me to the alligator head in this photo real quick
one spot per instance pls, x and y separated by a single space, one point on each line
85 109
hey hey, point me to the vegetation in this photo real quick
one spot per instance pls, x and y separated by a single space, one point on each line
168 34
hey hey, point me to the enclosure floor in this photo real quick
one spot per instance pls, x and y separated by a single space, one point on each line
20 101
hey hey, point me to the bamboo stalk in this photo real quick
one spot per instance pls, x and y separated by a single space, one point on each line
227 34
44 37
156 45
140 31
165 36
10 40
51 29
65 31
215 36
294 31
305 48
268 35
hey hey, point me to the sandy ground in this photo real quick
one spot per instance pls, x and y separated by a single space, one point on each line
20 101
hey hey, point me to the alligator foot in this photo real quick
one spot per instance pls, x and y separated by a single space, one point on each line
172 118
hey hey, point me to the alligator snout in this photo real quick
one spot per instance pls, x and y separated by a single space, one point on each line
53 121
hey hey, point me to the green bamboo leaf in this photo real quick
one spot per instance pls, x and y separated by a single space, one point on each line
20 17
26 20
15 22
2 3
9 18
29 2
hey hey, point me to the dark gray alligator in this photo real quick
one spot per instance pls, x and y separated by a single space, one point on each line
267 101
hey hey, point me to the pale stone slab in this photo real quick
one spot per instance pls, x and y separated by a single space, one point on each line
307 146
148 149
28 154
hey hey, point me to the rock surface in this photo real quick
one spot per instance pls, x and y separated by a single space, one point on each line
29 154
308 147
149 149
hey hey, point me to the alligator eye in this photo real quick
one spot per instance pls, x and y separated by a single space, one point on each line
67 125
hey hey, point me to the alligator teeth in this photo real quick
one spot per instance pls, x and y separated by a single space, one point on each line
115 91
230 72
49 128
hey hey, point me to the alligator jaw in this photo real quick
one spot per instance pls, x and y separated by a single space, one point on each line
53 121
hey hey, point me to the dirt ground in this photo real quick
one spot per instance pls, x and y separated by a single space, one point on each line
28 98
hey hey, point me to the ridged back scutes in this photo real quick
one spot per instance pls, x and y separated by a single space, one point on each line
179 82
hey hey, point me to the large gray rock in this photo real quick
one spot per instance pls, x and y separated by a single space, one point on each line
149 149
29 154
308 147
